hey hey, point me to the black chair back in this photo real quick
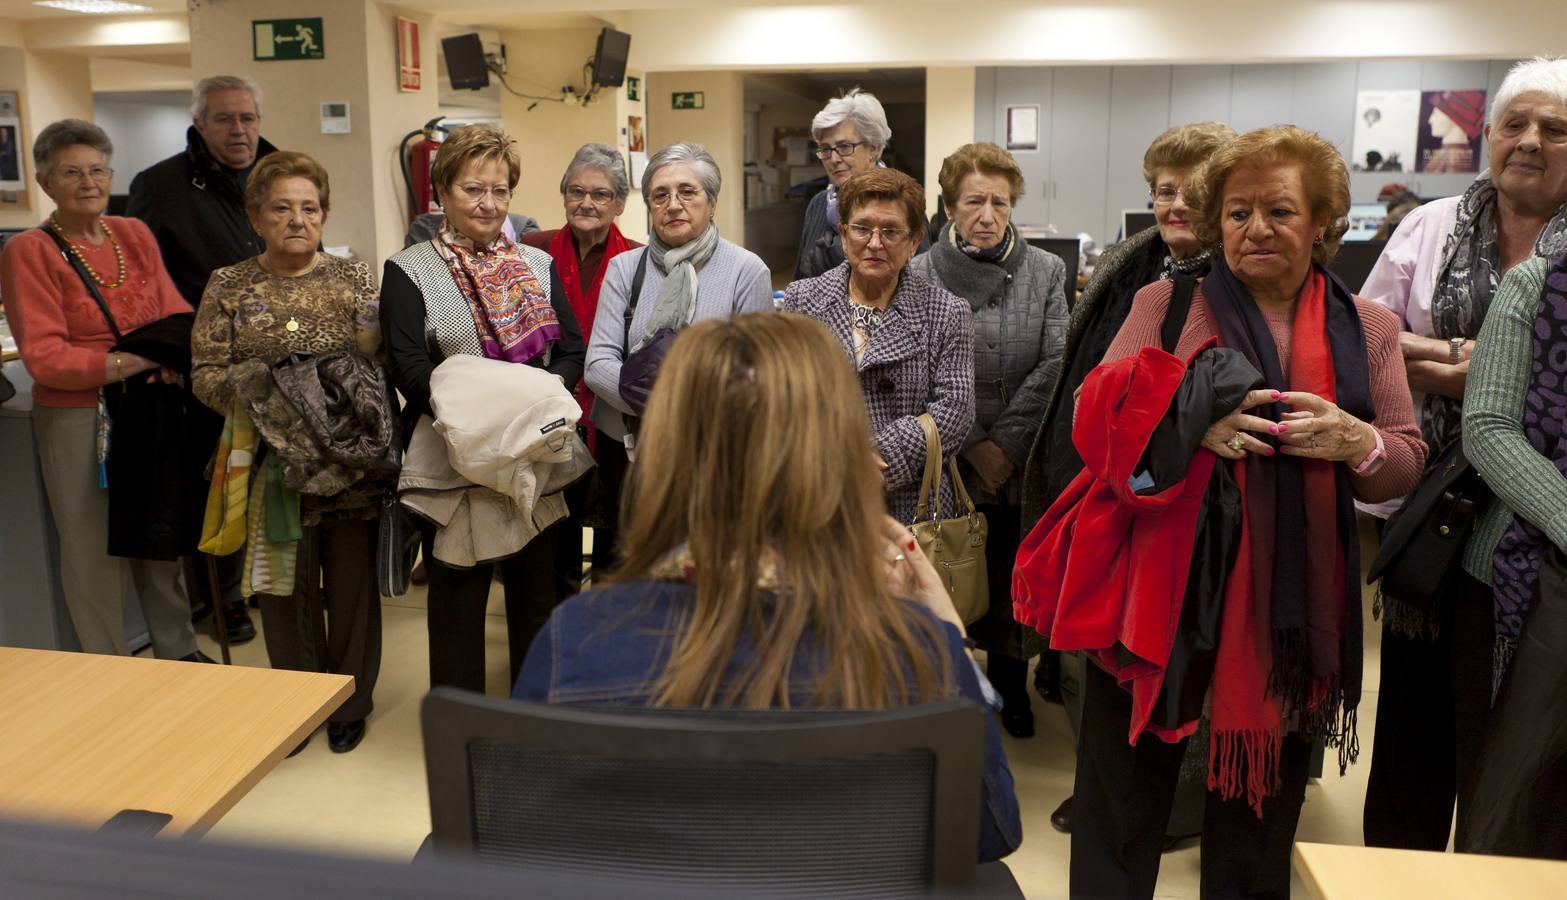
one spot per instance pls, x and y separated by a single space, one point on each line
1068 248
842 804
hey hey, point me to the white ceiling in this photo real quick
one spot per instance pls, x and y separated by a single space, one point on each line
26 9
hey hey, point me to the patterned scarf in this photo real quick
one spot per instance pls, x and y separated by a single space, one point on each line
1289 654
511 310
997 254
675 305
1465 284
1524 548
1191 267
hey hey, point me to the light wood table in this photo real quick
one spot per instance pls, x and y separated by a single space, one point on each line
1378 873
84 736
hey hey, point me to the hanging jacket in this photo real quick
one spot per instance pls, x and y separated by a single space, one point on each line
1107 568
155 462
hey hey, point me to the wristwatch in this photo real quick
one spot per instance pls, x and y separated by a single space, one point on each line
1455 349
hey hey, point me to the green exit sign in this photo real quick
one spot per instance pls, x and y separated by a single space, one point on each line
686 100
288 39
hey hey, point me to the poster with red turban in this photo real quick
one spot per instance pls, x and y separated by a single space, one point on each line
1451 123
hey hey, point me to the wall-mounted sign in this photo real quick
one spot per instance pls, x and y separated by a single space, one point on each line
1023 127
409 75
13 161
633 87
687 100
288 39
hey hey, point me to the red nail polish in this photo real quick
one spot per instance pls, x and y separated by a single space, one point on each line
1277 395
1270 451
911 545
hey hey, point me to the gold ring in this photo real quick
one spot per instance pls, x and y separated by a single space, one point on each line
1236 442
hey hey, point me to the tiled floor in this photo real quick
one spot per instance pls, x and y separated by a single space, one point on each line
372 801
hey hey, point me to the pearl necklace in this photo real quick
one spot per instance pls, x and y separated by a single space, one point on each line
119 255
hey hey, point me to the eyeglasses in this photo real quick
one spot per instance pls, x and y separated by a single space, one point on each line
892 236
842 148
474 193
686 192
1165 194
246 120
74 175
600 196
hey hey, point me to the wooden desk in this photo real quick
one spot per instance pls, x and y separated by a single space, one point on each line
83 736
1376 873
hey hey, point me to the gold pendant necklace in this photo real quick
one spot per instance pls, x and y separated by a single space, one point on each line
119 255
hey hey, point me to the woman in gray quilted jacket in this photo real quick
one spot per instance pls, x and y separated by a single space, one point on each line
1018 298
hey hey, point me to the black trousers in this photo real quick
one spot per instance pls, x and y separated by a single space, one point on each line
1122 799
456 605
332 621
1432 707
595 502
997 632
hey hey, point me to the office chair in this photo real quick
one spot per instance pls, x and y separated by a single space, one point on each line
841 804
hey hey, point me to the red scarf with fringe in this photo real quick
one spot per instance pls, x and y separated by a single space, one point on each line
584 304
1251 689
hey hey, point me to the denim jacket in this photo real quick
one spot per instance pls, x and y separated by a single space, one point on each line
607 646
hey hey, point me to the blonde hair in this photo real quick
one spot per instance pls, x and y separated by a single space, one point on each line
1184 147
285 164
1323 174
756 446
986 159
470 142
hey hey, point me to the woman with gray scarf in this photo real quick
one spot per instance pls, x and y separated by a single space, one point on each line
1017 295
1439 273
686 273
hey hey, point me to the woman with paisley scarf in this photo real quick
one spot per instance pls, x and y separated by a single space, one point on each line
1439 273
1333 423
472 290
1018 297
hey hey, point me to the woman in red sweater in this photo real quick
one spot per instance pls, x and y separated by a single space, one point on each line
1335 424
65 343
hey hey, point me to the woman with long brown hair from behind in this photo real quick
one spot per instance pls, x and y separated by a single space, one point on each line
748 579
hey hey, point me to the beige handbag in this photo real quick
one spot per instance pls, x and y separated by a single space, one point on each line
956 547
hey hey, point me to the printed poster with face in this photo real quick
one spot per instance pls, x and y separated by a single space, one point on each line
1451 125
1386 125
13 162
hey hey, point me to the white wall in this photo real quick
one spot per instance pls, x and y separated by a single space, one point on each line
144 127
1096 122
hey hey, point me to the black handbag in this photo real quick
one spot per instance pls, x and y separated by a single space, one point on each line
640 368
1424 540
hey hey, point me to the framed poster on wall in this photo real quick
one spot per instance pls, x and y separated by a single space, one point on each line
1386 126
1023 127
1451 123
13 161
409 72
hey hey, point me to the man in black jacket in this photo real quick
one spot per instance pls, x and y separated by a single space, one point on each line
194 203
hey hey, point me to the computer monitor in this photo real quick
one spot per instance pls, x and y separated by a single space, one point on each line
1354 262
609 59
465 64
1068 248
1135 220
1364 220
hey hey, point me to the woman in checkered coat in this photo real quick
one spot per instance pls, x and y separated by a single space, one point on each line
911 339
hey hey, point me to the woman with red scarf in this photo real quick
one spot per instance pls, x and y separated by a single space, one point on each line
594 191
1333 423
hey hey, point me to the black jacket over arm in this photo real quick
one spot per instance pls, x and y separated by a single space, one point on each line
412 356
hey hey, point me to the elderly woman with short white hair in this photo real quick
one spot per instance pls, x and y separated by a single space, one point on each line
1439 273
849 136
686 273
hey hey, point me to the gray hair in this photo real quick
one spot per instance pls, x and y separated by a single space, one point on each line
860 109
204 87
686 153
1542 74
604 158
56 136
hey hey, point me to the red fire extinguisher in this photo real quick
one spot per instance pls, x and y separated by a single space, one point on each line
417 161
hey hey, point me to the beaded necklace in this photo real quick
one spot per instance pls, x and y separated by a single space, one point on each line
119 255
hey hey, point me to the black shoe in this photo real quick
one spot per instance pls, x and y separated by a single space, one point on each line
1019 724
1047 678
198 657
296 751
1061 819
238 621
344 736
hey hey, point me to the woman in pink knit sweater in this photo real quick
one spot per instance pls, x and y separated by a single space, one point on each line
1333 424
66 344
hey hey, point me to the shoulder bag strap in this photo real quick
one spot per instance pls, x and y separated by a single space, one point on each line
1176 313
965 502
931 482
636 293
81 272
